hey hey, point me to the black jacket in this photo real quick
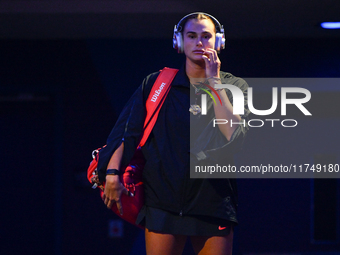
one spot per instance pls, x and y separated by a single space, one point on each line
169 154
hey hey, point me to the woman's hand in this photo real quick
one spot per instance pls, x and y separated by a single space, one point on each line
212 63
113 192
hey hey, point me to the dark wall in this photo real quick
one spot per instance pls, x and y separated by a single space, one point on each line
60 99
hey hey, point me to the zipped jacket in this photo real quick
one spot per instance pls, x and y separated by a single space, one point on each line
178 141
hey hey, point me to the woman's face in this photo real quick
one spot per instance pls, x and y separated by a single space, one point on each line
198 35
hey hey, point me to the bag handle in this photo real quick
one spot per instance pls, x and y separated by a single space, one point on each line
155 100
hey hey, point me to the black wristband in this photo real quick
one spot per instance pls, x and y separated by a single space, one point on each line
112 172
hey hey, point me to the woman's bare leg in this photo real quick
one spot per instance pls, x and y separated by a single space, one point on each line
164 244
217 245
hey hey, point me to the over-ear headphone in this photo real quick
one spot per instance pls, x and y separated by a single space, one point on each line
177 41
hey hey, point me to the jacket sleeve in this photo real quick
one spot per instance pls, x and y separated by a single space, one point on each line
212 144
128 128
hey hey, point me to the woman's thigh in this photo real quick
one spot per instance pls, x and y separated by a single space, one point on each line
217 245
165 244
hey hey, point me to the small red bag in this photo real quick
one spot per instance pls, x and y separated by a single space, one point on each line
132 175
131 179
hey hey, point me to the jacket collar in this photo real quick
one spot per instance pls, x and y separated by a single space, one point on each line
181 78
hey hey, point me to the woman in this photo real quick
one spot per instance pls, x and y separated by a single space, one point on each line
175 205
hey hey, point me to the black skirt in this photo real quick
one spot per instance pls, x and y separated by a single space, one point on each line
157 220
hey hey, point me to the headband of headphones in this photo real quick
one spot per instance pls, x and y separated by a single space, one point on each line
177 40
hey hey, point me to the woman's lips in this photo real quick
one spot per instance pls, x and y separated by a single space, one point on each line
198 51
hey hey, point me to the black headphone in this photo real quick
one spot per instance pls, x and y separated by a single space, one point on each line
177 41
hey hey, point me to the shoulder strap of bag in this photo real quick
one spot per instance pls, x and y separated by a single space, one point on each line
156 99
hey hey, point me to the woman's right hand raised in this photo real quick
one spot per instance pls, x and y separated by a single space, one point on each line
113 192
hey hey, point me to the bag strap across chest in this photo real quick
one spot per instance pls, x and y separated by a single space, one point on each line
156 98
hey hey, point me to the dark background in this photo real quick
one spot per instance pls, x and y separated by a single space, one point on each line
67 68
